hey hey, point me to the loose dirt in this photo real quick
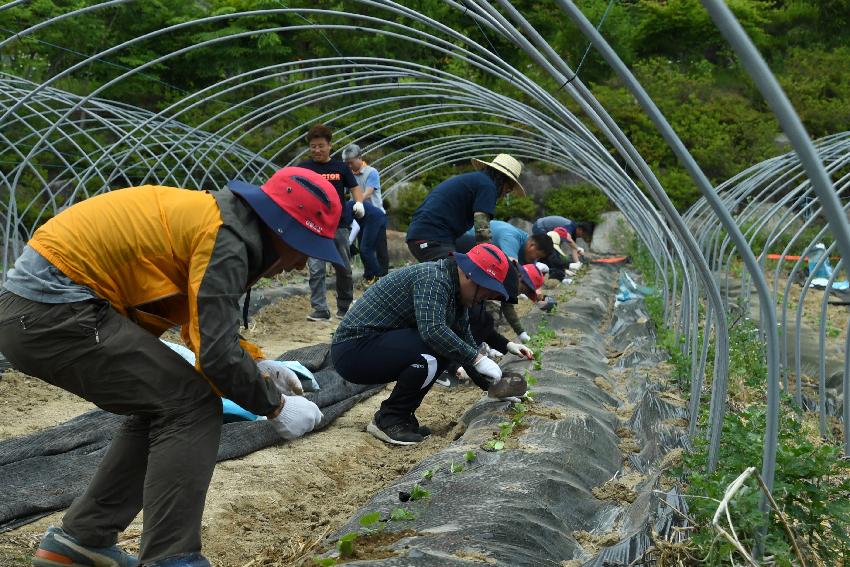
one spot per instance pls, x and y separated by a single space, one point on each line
269 508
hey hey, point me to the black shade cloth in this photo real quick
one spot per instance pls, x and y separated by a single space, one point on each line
45 471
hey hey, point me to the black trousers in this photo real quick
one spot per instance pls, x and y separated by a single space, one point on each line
399 355
162 458
382 252
430 250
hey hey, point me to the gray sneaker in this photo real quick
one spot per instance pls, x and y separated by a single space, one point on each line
318 315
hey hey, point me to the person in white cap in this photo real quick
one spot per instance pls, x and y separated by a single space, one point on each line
460 203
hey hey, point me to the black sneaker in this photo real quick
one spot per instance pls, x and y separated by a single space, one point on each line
422 430
397 434
340 313
317 315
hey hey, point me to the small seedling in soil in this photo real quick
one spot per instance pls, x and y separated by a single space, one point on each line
530 379
428 475
529 396
493 445
345 545
399 514
418 493
505 429
456 467
369 520
324 561
469 456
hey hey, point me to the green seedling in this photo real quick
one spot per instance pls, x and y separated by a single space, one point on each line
418 493
530 379
520 408
345 545
493 445
538 365
456 467
428 475
400 514
369 520
324 561
529 396
469 456
505 429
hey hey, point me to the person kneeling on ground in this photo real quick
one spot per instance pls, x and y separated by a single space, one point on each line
409 326
84 305
525 280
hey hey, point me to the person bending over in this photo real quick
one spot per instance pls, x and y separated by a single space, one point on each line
84 306
462 202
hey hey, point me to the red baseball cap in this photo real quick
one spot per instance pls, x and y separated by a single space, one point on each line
300 206
533 278
562 232
486 265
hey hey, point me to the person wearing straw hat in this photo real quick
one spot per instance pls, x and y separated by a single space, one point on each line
409 326
462 202
84 306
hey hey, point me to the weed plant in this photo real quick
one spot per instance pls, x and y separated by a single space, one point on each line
812 480
811 487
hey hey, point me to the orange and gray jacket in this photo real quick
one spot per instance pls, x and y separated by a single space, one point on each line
165 257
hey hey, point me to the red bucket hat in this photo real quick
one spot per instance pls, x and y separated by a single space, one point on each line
300 206
533 278
486 265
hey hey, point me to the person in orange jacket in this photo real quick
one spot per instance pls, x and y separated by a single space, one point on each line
83 309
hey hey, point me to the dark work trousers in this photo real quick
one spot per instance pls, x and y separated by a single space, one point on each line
162 457
430 250
344 278
399 355
557 264
382 251
374 223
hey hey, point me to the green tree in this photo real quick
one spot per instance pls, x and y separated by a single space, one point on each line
577 202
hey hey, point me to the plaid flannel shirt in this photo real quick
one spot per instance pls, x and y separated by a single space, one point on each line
423 296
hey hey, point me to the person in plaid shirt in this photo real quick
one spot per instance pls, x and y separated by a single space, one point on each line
409 326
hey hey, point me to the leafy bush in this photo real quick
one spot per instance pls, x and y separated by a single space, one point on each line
409 200
578 202
516 207
811 487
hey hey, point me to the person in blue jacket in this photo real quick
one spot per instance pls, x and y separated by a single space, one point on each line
462 202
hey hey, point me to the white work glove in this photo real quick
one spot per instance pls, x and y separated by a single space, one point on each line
520 350
544 269
495 354
523 337
488 368
580 250
283 377
575 266
522 296
567 281
359 210
298 416
461 374
512 399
